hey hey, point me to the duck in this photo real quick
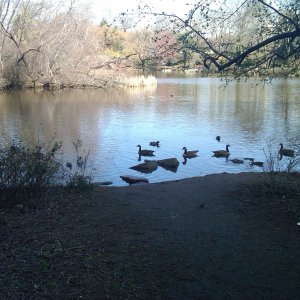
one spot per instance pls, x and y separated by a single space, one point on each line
145 152
189 154
79 162
237 161
256 163
285 151
69 165
218 138
156 144
222 153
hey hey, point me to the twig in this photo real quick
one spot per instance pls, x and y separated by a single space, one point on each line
242 200
261 287
194 276
284 246
191 278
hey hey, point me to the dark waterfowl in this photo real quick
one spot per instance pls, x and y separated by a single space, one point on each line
80 162
69 165
237 161
285 151
155 144
145 152
256 163
222 153
190 153
218 138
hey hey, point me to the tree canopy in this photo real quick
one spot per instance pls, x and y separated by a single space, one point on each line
243 36
50 42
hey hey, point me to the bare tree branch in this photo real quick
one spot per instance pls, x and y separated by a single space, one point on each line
238 59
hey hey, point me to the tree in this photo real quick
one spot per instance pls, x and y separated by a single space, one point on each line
241 36
33 35
54 43
147 49
142 45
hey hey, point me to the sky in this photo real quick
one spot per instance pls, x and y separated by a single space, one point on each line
110 8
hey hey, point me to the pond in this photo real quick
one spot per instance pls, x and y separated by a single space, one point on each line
178 112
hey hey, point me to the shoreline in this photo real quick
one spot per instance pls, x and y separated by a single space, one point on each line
216 237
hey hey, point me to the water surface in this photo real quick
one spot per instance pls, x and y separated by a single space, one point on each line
188 111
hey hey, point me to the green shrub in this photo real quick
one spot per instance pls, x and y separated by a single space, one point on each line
27 171
23 168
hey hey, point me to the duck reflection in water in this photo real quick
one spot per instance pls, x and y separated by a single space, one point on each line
185 159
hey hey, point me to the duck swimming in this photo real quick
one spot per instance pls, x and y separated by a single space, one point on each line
80 162
256 163
69 165
156 144
237 161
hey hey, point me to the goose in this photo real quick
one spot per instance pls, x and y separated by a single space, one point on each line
189 154
285 151
156 144
218 138
222 153
145 152
256 163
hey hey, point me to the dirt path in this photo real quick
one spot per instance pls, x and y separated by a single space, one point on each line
202 238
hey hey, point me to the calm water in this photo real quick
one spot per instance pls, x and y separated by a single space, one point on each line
178 112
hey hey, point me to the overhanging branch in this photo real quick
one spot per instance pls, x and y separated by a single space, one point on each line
239 58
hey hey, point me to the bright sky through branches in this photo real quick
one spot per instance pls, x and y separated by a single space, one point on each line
110 8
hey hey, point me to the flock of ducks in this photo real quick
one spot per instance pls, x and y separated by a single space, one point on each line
194 153
217 153
186 153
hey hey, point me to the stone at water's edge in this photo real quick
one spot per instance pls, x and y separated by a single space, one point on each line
147 167
168 162
134 179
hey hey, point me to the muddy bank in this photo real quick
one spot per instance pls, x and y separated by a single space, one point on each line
214 237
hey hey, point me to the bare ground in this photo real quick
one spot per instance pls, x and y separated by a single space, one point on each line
222 236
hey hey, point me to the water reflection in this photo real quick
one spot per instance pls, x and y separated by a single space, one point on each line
179 112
